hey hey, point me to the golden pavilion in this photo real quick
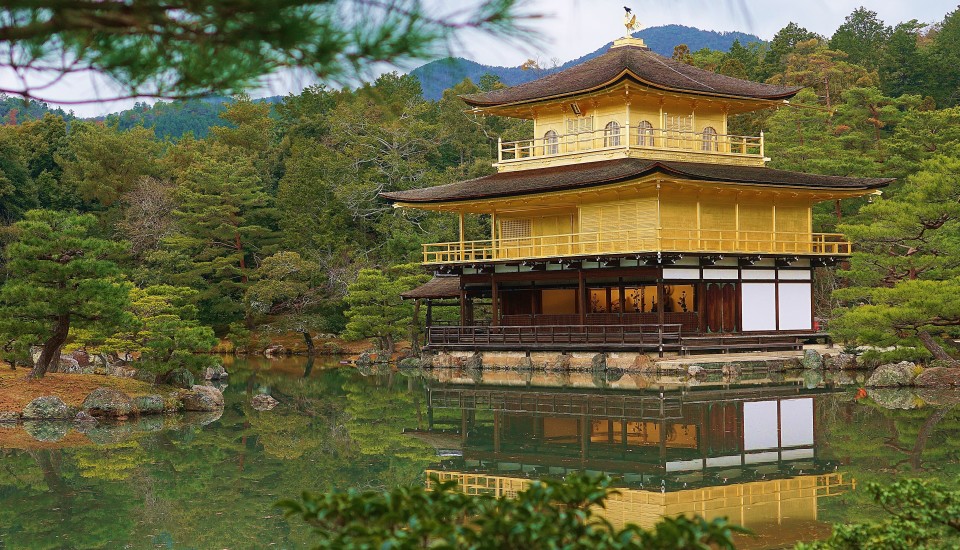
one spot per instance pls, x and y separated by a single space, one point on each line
632 219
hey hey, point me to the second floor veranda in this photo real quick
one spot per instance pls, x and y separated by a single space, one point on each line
641 139
623 242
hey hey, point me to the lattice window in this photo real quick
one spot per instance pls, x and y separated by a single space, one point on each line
516 228
579 125
677 123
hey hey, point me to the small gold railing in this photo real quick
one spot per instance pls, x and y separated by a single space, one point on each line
638 241
630 137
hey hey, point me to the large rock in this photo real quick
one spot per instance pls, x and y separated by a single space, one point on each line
812 359
148 404
843 361
108 402
938 377
81 357
47 408
203 398
893 375
181 378
68 365
263 402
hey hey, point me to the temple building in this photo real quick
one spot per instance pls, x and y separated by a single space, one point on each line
632 219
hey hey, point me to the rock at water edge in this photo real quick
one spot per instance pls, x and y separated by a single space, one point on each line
46 408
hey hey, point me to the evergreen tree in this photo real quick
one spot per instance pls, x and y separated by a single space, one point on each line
905 275
60 278
943 54
902 64
863 37
163 328
224 221
375 307
103 163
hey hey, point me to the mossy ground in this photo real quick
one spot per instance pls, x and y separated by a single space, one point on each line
16 390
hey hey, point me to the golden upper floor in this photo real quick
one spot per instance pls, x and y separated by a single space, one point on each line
632 206
630 102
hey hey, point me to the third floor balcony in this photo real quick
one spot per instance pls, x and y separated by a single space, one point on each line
620 140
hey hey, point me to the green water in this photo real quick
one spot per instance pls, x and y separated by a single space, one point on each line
208 482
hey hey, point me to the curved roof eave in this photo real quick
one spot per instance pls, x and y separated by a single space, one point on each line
624 75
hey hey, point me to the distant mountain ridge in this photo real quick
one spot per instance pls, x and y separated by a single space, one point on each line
437 76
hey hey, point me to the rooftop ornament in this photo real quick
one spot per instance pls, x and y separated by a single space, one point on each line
630 22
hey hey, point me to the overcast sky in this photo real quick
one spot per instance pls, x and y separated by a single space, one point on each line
571 28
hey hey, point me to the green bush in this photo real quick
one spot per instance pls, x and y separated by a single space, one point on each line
549 514
923 514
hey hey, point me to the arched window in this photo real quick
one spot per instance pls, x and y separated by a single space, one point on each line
611 134
709 139
645 134
551 143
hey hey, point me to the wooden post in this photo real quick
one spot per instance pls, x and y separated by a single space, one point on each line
582 296
463 307
495 305
499 150
461 256
493 235
496 431
660 304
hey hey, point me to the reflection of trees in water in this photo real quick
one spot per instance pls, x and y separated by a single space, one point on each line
214 486
881 445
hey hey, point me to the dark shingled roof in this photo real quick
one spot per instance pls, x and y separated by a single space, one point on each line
438 287
589 174
639 64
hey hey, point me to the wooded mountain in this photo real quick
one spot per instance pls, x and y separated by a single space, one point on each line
437 76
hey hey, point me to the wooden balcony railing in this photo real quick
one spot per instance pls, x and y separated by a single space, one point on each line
638 241
631 137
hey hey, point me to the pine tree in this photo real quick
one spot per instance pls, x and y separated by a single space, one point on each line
60 278
375 307
905 275
224 219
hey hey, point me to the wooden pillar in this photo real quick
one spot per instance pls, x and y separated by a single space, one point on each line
429 321
582 296
461 256
493 235
463 307
660 297
496 431
495 301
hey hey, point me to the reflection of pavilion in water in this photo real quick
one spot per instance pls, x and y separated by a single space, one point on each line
748 453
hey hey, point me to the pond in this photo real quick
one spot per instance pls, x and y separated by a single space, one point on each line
785 455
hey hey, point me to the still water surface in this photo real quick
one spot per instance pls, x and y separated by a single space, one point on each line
787 457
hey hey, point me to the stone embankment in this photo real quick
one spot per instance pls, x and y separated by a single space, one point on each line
627 362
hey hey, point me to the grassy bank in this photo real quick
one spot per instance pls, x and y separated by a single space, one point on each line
16 390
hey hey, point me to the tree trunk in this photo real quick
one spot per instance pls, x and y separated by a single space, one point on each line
51 347
934 347
311 350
